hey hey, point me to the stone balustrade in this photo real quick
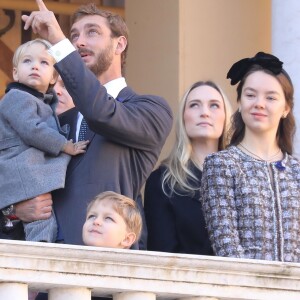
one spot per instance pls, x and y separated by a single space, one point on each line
70 272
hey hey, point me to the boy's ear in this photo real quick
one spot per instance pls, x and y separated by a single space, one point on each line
128 240
15 74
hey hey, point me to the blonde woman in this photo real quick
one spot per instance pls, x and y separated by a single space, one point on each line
173 211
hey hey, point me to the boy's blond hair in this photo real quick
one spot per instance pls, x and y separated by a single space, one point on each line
22 48
125 207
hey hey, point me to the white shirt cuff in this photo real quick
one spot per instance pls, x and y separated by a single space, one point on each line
62 49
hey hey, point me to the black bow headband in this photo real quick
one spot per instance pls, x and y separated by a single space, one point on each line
267 61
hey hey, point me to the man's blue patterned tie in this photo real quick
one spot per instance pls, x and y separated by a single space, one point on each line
83 130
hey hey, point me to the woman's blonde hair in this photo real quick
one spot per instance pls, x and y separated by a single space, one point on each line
179 161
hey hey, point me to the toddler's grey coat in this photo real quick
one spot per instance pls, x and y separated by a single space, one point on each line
30 143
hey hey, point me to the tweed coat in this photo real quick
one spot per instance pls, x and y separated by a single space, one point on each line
30 143
252 207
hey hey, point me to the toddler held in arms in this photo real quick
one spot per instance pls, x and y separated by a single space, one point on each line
33 147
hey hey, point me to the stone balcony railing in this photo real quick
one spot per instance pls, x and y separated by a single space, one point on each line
75 273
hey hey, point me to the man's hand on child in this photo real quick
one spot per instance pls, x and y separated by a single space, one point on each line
38 208
75 148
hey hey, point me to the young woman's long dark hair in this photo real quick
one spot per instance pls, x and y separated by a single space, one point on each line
286 129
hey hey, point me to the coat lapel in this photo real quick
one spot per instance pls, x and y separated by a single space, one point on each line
124 95
69 117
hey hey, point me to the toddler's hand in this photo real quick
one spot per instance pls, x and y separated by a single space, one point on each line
75 148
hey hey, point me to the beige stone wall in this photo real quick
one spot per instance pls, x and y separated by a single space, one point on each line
216 33
153 59
286 45
174 43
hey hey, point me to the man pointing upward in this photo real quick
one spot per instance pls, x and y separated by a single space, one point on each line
126 131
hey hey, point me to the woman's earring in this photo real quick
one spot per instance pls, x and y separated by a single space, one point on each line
284 115
239 110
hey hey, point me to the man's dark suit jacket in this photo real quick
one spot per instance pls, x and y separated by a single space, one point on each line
126 137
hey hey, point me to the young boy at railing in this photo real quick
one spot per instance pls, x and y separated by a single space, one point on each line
113 220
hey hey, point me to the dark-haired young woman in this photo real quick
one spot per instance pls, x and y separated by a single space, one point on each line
251 191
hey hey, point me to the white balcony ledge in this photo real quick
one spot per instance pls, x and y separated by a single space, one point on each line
106 271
